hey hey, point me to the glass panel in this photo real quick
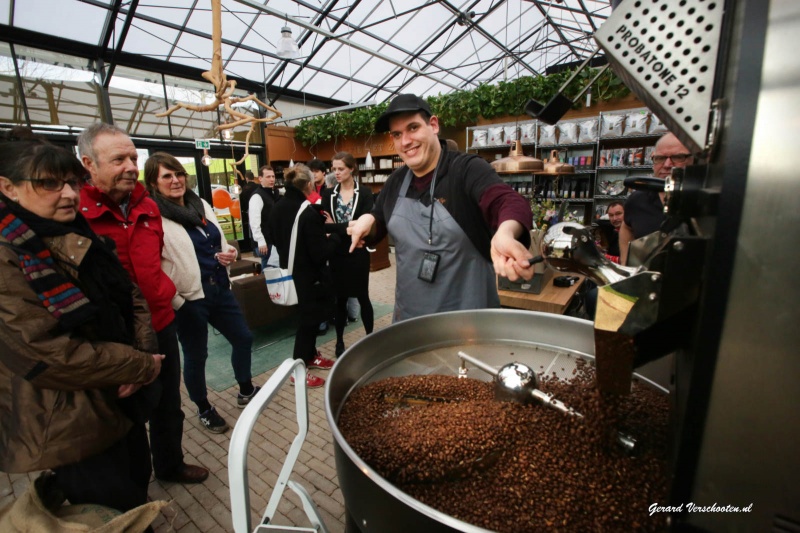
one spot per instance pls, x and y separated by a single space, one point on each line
226 206
59 89
10 103
136 96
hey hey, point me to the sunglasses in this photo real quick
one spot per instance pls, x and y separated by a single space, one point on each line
677 158
57 184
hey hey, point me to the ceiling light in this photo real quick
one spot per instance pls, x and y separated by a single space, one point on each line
287 48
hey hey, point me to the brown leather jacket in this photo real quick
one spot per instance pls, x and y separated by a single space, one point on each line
58 392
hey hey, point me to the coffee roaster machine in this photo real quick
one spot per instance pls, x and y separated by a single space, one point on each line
717 286
713 293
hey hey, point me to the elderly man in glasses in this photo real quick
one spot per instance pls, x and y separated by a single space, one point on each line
644 210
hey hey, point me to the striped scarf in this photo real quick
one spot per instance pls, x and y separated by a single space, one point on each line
65 301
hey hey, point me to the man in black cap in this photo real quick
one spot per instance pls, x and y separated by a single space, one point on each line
451 218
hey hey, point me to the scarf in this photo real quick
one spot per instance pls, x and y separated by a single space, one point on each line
191 214
98 302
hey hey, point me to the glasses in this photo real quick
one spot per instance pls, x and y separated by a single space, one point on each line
677 158
170 177
57 184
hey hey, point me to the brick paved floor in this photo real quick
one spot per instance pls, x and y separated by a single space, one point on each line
206 507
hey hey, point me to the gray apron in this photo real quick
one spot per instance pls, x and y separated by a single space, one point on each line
464 279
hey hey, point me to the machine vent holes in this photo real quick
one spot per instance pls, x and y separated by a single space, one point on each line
637 4
664 7
711 7
680 24
697 40
648 77
700 19
635 23
668 55
661 27
671 15
664 94
678 43
640 70
687 52
687 119
696 127
706 48
689 31
656 85
676 63
633 61
701 88
684 72
645 11
644 31
610 38
628 15
692 79
651 39
625 53
679 110
682 3
691 11
653 20
709 27
670 35
659 47
704 68
671 101
618 46
695 60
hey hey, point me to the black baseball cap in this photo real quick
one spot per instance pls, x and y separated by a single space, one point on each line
403 103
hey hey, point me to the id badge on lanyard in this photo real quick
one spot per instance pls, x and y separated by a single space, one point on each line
430 260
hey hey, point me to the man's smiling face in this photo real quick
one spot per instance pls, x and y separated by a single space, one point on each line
416 141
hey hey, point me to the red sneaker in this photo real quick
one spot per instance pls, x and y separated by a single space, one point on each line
312 382
323 363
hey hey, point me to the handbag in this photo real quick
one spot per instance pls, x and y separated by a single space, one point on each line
280 283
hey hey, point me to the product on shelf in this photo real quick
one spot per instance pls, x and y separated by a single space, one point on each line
495 135
656 126
567 132
528 132
636 123
510 134
548 135
587 131
479 138
612 126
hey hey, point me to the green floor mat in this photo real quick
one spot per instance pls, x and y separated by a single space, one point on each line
271 345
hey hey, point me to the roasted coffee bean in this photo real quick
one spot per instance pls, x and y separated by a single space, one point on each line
513 468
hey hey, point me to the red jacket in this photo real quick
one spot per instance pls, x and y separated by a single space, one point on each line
140 240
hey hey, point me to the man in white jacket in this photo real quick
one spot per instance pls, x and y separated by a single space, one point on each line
259 208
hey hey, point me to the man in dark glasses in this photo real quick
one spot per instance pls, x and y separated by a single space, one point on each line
644 210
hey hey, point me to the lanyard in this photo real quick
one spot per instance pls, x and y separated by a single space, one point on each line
433 203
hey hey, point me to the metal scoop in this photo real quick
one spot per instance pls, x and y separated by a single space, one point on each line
517 382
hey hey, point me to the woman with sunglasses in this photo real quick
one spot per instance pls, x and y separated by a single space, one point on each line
76 345
196 257
644 210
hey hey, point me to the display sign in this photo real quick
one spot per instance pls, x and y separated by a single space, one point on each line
202 144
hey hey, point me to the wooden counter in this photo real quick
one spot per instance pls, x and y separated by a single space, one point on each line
552 299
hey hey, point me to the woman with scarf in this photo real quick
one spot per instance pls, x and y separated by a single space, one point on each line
310 272
345 202
76 345
196 257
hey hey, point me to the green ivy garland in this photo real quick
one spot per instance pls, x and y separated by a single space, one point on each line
462 108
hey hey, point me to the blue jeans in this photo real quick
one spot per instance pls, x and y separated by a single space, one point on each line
220 309
265 258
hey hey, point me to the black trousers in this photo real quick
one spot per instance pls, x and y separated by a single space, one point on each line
117 477
166 420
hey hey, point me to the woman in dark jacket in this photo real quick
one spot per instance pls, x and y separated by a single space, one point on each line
311 275
345 202
76 343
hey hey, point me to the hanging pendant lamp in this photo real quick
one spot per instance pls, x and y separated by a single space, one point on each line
287 47
368 163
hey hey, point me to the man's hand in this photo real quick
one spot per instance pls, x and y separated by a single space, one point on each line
126 390
262 250
359 230
157 358
510 258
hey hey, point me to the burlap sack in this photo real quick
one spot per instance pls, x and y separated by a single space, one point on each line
40 509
